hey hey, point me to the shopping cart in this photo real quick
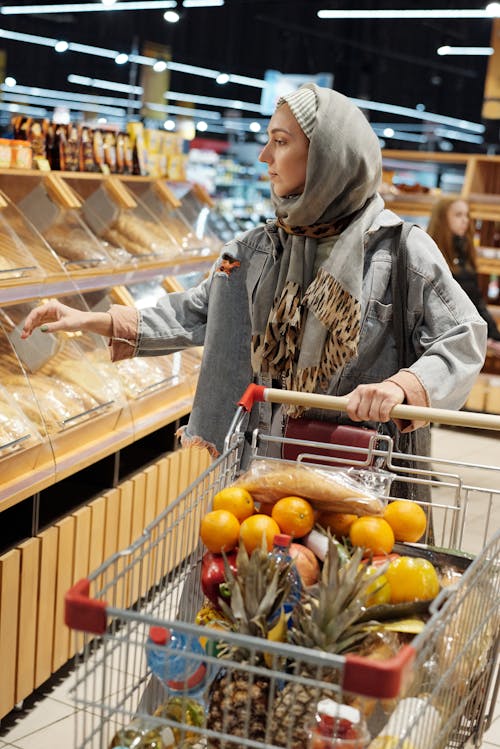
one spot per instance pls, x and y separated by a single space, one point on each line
450 668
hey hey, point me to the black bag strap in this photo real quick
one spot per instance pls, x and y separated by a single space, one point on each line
399 288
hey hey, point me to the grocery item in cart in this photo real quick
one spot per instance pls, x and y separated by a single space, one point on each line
268 481
166 658
144 733
281 555
414 721
337 726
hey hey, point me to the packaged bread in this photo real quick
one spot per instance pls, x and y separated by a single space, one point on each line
334 490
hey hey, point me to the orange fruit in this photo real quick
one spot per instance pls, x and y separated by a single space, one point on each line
338 522
407 519
254 528
235 499
220 531
374 534
294 515
412 579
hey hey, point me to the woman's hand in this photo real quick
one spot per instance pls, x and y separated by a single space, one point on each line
54 316
374 402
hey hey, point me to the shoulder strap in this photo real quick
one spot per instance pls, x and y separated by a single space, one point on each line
399 288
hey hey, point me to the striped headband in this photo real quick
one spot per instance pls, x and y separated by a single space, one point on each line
303 104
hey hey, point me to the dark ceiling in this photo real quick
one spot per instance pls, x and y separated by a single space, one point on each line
389 61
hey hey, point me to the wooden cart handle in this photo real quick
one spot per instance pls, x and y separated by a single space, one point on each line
339 403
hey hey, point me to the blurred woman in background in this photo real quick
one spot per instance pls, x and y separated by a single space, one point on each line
453 232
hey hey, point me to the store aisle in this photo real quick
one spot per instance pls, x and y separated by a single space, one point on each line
48 718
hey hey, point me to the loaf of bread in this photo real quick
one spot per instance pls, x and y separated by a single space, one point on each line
268 481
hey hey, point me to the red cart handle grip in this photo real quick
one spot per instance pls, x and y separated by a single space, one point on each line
82 612
382 679
253 394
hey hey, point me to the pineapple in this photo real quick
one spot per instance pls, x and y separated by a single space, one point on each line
239 700
326 619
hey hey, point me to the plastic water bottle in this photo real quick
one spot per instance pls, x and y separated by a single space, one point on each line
179 673
281 554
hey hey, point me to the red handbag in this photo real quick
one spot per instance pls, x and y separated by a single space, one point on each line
329 433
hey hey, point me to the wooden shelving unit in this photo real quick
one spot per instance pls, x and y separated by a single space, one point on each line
81 494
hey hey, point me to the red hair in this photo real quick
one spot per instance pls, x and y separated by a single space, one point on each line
439 230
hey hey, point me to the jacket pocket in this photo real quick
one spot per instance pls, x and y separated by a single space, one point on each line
255 271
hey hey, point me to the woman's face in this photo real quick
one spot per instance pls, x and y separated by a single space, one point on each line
458 217
285 153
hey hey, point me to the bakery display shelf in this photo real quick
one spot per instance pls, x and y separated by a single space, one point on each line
164 200
64 285
129 231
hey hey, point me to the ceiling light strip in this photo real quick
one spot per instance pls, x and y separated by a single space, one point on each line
373 15
54 94
475 51
69 104
124 88
12 10
202 3
418 114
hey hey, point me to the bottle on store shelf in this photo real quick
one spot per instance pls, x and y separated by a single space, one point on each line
281 554
337 726
169 658
144 733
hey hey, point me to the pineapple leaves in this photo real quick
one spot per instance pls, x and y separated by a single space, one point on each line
258 590
328 614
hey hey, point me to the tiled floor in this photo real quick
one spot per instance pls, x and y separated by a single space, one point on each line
48 718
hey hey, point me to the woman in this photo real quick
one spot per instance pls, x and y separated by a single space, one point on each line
304 301
451 229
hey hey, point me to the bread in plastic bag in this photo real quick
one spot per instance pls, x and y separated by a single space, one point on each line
337 491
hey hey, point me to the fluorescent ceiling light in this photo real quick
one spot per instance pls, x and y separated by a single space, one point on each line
447 50
55 94
418 114
202 3
442 132
214 101
15 10
373 15
69 103
124 88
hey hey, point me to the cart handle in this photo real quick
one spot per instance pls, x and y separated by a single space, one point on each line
258 393
82 612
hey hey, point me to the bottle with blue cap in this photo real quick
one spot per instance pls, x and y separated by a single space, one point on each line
168 657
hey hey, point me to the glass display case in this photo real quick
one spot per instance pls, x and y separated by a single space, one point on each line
165 200
129 231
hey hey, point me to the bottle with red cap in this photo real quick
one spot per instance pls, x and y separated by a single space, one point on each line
169 656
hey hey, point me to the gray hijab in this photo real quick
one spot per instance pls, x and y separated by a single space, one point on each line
304 329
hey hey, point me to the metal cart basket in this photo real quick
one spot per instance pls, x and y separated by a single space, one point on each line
447 674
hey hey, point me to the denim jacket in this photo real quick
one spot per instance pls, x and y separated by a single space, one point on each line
448 335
